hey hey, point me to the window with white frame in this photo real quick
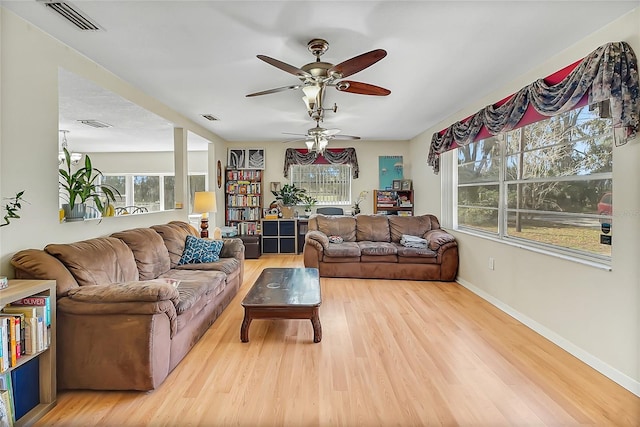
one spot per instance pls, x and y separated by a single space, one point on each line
548 184
329 184
151 192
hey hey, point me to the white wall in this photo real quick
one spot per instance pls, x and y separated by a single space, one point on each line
29 61
367 152
591 312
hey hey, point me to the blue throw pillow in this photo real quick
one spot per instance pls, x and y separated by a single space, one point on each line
197 251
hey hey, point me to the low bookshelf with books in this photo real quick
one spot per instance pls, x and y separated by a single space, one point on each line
243 208
393 202
27 350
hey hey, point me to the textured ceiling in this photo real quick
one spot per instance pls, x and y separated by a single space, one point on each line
200 57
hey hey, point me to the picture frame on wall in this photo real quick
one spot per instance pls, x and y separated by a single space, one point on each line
255 158
397 184
406 184
246 158
235 158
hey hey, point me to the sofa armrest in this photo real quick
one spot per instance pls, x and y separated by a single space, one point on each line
232 248
139 291
317 239
438 237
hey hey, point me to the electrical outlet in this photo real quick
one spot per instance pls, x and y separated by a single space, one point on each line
491 263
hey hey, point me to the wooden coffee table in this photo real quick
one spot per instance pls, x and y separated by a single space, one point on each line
284 293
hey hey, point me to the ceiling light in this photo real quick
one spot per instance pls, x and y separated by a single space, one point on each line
309 143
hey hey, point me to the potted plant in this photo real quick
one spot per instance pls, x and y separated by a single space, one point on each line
289 196
360 199
308 202
82 185
13 205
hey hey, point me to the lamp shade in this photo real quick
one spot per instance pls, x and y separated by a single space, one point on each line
204 202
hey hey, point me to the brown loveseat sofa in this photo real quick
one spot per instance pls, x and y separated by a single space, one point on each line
117 327
371 248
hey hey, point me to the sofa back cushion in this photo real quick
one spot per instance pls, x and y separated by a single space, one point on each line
175 235
343 226
99 261
374 228
39 265
413 225
149 251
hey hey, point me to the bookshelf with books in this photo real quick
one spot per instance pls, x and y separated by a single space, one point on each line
28 371
243 206
393 202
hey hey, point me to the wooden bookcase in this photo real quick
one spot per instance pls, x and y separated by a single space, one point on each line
393 202
47 358
243 206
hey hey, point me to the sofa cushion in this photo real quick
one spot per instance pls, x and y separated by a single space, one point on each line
225 265
99 261
377 248
149 251
39 265
198 251
343 226
175 237
425 252
196 285
374 228
345 249
413 225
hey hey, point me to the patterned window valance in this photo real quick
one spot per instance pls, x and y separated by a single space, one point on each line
610 73
333 156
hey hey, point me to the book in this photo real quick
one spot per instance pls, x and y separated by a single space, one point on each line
6 384
11 339
38 301
6 418
31 335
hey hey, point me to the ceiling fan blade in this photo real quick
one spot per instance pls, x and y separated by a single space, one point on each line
284 66
361 88
295 140
278 89
330 132
296 134
345 137
357 63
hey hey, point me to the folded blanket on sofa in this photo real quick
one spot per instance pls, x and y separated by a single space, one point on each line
410 241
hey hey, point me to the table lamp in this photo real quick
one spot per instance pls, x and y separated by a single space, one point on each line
203 203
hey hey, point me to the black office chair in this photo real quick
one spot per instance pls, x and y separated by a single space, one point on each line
330 211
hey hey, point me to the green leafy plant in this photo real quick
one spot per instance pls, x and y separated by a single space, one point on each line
82 185
289 195
12 207
308 201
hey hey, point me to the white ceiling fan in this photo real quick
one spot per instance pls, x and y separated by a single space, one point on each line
317 138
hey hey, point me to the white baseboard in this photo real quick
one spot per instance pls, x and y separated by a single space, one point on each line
624 380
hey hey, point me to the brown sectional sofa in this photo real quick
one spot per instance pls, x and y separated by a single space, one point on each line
371 248
119 327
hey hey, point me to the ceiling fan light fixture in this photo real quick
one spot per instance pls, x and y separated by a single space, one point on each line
309 103
309 143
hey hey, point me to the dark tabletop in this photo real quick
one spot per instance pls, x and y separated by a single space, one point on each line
285 287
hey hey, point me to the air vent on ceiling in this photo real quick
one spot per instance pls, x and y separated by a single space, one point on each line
95 123
210 117
72 14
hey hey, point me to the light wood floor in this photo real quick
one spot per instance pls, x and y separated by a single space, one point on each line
393 353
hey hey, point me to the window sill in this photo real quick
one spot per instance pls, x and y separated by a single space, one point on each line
601 265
